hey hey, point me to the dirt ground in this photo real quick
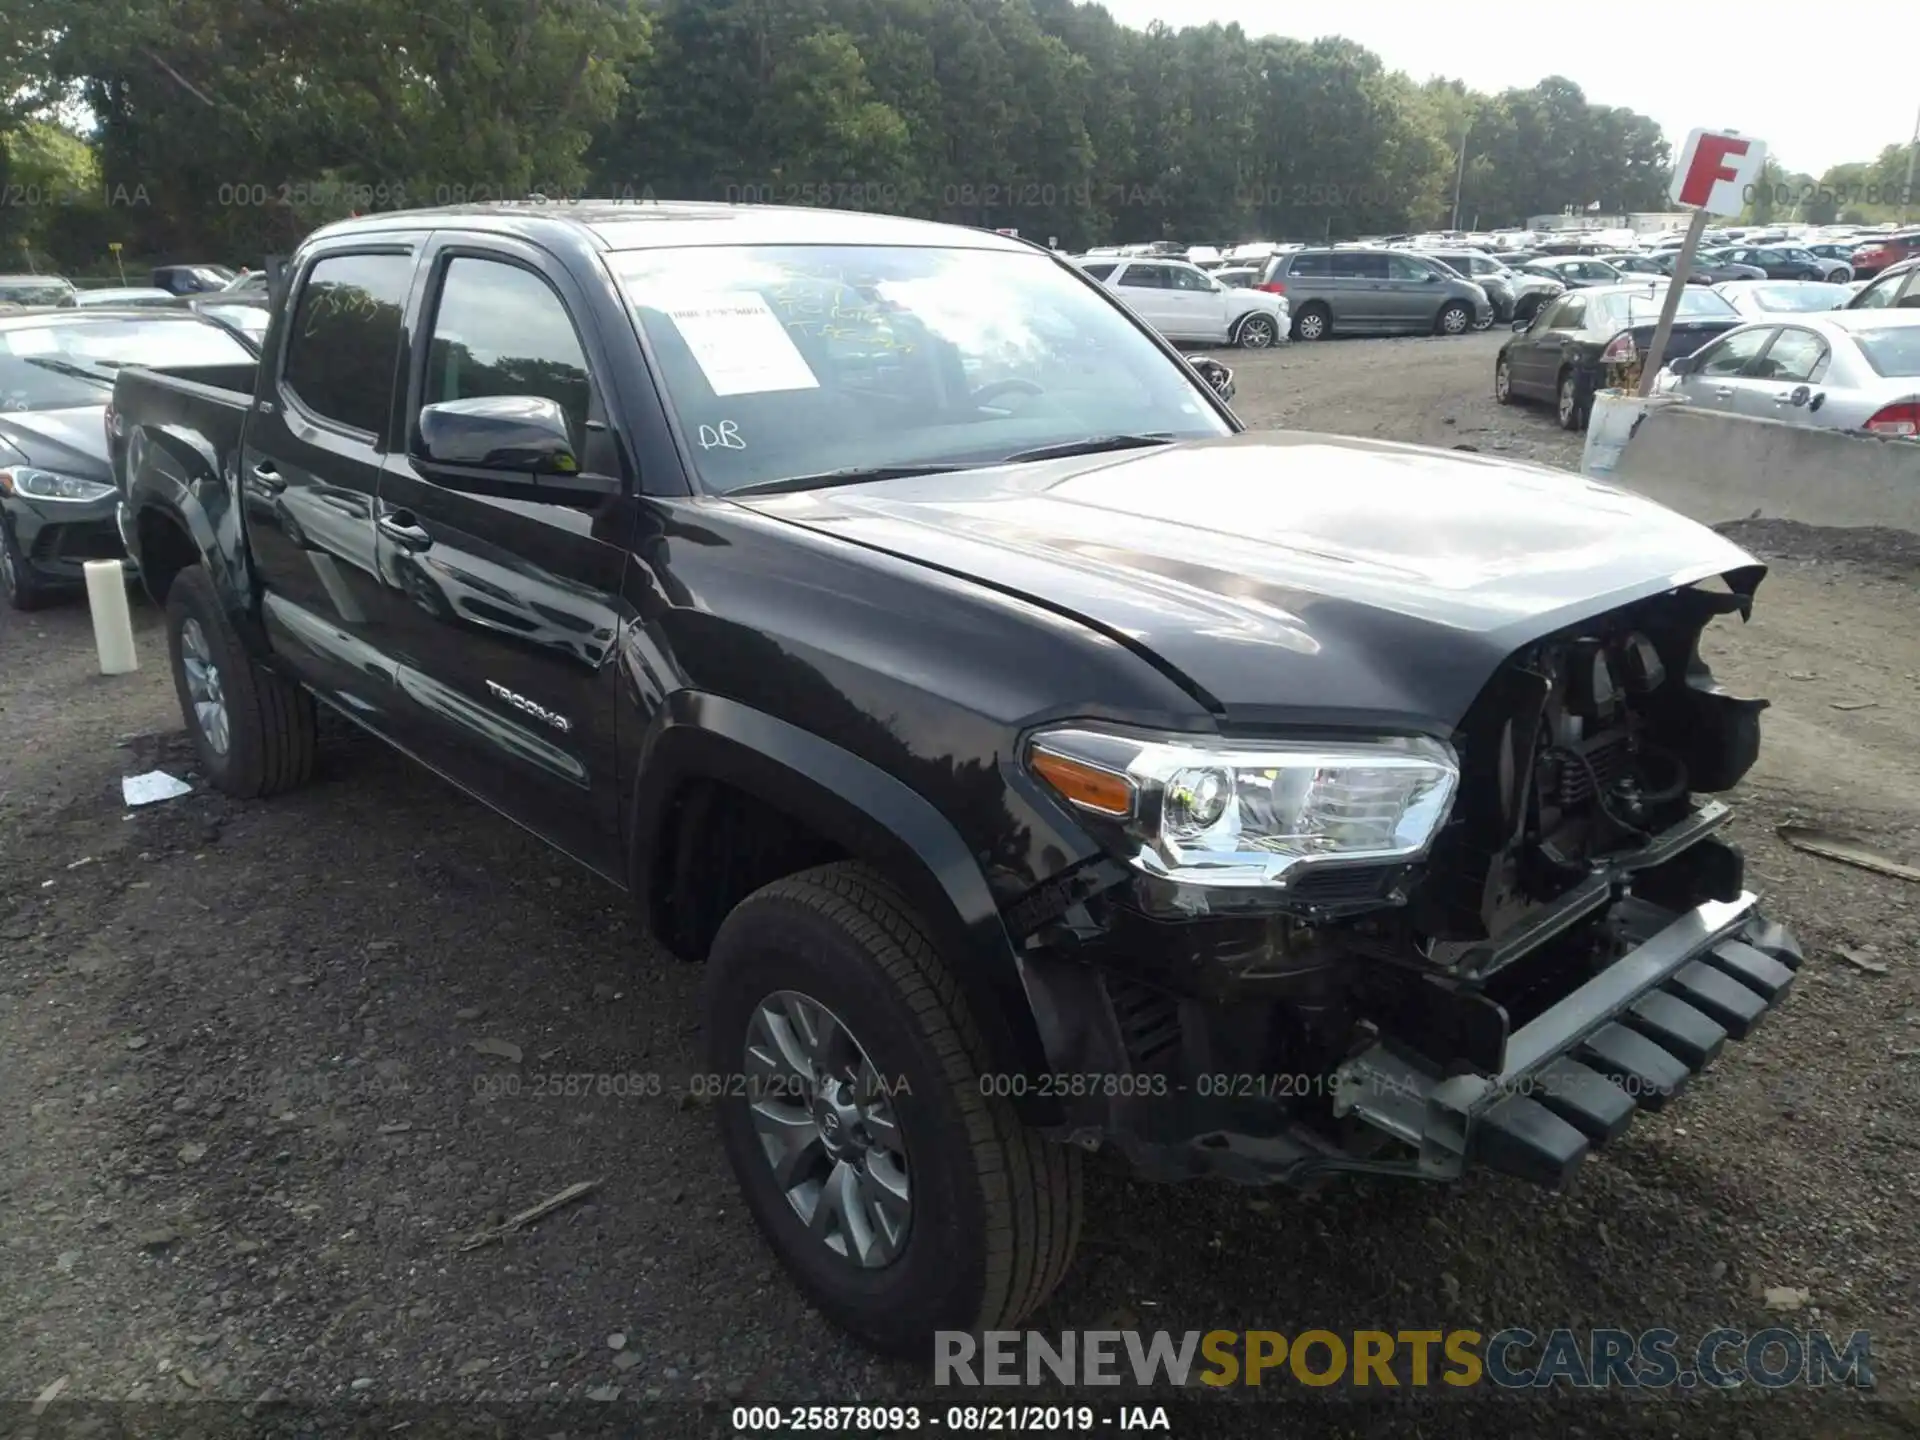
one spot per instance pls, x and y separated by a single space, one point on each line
248 1125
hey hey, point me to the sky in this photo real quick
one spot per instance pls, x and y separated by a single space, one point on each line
1816 96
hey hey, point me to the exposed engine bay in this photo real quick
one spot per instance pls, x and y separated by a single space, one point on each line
1583 749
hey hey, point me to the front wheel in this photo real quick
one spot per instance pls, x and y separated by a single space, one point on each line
1312 323
18 588
1257 332
1455 319
902 1197
253 731
1503 381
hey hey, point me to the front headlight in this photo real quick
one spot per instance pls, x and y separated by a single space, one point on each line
1249 813
31 484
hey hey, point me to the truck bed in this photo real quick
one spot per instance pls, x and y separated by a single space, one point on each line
209 402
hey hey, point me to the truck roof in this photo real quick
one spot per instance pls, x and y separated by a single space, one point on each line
659 224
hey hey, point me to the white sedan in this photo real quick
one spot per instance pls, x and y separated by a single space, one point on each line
1842 370
1183 302
1758 298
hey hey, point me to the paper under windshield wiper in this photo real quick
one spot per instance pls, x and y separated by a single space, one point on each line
1091 446
852 476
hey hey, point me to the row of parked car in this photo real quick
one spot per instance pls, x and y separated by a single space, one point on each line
236 298
1806 352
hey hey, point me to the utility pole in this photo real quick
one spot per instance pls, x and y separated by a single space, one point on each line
1460 174
1913 150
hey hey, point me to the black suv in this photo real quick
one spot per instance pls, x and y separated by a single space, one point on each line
1039 763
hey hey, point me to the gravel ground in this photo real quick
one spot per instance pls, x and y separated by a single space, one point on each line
269 1065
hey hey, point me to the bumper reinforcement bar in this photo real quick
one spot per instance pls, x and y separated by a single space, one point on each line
1573 1077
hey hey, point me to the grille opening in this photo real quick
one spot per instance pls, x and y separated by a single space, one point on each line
1149 1020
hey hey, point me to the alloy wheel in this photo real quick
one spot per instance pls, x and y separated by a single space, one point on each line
1312 325
826 1123
203 686
1256 332
1455 320
1569 401
1502 382
9 578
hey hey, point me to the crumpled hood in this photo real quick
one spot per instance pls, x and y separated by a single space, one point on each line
1287 577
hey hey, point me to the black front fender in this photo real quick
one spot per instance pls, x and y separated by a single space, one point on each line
868 814
173 477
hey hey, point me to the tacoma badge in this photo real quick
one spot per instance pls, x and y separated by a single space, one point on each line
539 712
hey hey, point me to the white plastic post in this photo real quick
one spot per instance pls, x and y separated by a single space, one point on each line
112 620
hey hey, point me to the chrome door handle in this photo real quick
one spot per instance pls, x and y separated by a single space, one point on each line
269 478
403 534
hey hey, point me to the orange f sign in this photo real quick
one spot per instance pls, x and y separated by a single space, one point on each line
1716 171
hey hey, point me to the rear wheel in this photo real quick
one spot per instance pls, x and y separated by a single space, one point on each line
902 1197
1808 275
252 730
1456 318
1312 323
1572 405
1503 381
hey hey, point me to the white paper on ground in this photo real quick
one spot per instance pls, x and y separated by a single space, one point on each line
152 787
741 346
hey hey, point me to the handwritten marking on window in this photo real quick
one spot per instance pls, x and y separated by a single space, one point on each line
724 437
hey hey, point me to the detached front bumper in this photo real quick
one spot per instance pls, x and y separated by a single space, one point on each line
1575 1076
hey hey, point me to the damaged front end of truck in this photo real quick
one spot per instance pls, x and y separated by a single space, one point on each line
1307 957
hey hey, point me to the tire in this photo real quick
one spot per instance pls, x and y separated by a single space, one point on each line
265 742
1571 406
1257 332
993 1211
1503 382
1314 322
1483 320
1808 275
17 586
1842 276
1455 318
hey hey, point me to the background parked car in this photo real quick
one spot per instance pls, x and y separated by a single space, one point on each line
247 316
1598 337
193 279
57 497
1576 272
33 289
140 297
1895 288
1240 277
1853 370
1515 294
1703 271
1787 262
1765 297
1884 250
1372 291
1183 302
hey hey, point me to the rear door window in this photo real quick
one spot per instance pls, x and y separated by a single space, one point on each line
1797 356
1736 353
345 338
1146 277
1100 271
1306 266
1359 265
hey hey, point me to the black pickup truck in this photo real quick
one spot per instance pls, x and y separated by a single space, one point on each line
1040 763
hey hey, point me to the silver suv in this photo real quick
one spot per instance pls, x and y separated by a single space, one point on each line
1516 294
1354 290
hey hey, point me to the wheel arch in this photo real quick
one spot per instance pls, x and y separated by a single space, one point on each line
180 507
858 810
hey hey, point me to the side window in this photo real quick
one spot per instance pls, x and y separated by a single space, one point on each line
1405 267
1308 266
1100 271
1359 265
1145 277
346 336
501 330
1879 295
1736 352
1186 279
1798 356
1569 314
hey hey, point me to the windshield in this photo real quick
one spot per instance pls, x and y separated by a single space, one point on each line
1893 351
1802 295
789 361
1643 307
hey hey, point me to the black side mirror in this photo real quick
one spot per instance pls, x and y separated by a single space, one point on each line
518 445
1218 377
